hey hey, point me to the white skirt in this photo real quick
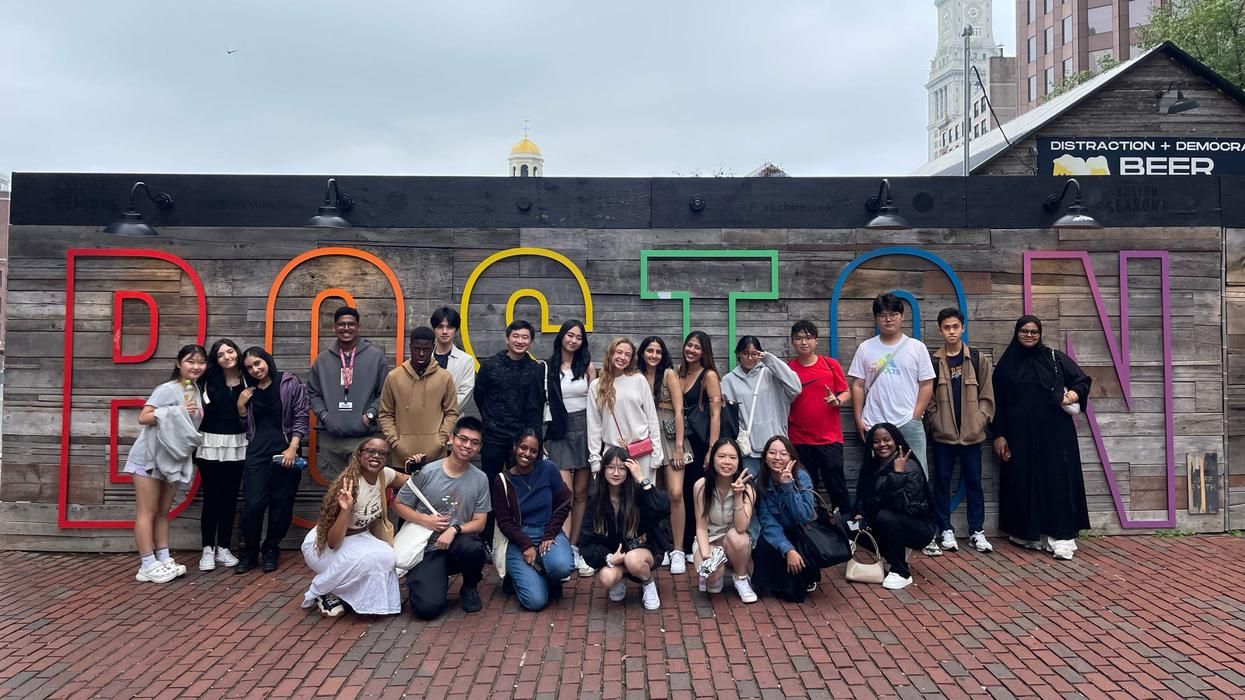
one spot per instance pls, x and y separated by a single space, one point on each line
223 448
360 572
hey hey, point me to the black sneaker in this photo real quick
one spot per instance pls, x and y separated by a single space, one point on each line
330 605
246 562
470 599
488 553
270 560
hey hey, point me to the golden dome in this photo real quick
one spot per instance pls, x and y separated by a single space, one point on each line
525 146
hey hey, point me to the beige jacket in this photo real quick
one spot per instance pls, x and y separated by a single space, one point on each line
976 400
418 412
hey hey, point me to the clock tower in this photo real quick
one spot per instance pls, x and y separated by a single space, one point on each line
946 69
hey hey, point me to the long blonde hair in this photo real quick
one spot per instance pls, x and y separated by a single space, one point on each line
605 380
329 508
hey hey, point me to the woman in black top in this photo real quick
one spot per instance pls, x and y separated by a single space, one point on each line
702 408
275 407
223 452
626 530
894 500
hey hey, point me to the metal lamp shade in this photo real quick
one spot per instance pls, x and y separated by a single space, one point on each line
131 225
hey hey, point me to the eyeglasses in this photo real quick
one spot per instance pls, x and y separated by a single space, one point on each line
1025 331
472 442
752 355
376 453
888 315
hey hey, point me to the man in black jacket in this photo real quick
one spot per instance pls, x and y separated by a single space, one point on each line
510 393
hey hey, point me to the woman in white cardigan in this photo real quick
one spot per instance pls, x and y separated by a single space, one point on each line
621 410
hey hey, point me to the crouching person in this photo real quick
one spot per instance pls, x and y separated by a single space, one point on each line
351 547
459 492
626 529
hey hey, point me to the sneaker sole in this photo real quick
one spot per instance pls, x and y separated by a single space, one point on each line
207 568
143 578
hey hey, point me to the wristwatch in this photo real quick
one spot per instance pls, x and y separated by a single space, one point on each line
458 529
370 416
646 484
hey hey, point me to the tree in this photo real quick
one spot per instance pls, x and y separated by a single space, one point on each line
1212 31
1105 63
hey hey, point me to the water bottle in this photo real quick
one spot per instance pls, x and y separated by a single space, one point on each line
300 463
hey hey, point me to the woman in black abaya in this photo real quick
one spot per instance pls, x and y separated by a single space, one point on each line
1041 488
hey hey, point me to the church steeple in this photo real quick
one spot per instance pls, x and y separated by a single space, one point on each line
525 159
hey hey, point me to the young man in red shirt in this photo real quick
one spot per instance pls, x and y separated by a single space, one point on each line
814 424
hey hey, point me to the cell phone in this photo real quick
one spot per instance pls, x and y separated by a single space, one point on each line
853 525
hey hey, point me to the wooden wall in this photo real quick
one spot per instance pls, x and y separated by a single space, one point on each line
1235 336
1129 106
238 265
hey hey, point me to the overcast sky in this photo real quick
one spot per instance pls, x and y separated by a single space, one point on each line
637 88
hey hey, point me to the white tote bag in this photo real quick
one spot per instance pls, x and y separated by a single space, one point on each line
412 539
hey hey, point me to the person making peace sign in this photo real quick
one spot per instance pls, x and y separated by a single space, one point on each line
894 500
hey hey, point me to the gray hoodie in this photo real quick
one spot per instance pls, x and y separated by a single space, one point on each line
324 389
779 387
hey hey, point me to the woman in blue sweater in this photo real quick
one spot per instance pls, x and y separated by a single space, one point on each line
531 502
784 502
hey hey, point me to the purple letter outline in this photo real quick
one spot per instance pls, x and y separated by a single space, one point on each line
1120 357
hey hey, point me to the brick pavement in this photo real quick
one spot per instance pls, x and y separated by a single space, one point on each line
1131 617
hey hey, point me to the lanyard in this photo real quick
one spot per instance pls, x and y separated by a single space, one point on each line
347 369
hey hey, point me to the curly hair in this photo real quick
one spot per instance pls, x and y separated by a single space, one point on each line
329 508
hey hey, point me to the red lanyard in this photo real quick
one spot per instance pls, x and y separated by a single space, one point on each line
347 369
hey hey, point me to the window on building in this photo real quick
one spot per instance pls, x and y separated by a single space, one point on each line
1048 39
975 110
522 171
1032 88
1047 5
1068 70
1100 20
1095 57
1032 10
1050 80
1032 49
1139 12
1067 29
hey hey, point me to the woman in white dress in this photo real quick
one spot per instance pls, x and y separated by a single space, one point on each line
351 547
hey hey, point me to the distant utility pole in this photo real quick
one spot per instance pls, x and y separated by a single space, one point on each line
968 66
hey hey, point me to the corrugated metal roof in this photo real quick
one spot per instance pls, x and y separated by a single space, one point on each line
984 148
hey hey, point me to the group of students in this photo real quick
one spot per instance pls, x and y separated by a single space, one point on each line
612 471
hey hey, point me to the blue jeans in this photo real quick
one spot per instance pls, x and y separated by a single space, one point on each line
914 432
532 586
970 476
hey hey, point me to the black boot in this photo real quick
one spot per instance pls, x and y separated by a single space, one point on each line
246 562
270 560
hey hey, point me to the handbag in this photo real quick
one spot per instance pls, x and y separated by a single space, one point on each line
1069 408
822 542
500 542
547 413
636 448
412 539
864 572
744 437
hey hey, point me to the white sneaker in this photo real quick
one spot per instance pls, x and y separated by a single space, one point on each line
1027 544
1063 552
665 560
678 562
618 591
207 562
932 549
895 582
744 588
582 566
980 543
651 600
156 573
948 543
224 557
172 564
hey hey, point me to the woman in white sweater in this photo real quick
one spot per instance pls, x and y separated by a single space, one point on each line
621 410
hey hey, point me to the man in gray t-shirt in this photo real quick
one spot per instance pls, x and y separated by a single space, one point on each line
459 492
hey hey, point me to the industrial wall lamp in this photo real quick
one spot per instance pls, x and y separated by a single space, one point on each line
1077 216
334 204
131 222
887 216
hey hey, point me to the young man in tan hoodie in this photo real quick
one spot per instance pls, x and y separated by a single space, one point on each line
418 405
957 417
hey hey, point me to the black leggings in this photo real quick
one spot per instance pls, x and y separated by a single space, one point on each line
898 532
221 481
